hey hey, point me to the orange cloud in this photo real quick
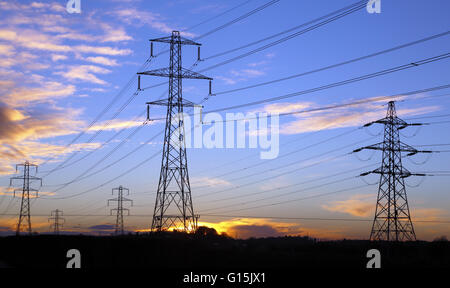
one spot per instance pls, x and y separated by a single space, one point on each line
356 205
19 96
244 228
20 133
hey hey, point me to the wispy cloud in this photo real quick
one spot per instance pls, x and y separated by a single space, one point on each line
142 17
116 124
349 116
85 73
210 181
56 57
102 60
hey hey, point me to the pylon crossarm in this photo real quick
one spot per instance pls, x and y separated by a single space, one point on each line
391 121
411 124
126 199
402 174
378 146
181 40
164 102
167 72
36 179
402 148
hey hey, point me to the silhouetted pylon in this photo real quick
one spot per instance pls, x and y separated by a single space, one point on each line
392 221
24 215
173 205
119 210
58 221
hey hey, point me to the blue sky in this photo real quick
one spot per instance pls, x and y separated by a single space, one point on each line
59 70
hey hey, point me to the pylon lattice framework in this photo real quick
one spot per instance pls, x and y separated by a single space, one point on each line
173 205
392 221
58 221
24 215
119 210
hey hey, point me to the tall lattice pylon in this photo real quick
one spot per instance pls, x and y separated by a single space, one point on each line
119 210
57 221
24 223
392 221
173 205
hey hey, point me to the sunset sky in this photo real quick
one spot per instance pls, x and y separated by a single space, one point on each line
58 72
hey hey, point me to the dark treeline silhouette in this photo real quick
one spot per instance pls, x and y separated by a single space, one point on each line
208 249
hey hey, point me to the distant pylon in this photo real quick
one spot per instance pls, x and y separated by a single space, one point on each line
58 221
392 221
24 216
173 205
119 210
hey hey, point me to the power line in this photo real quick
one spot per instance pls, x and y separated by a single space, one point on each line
283 32
107 182
340 83
250 217
133 79
131 135
433 116
246 15
304 111
103 144
348 12
337 64
329 107
287 172
286 186
137 92
97 118
217 16
313 218
282 156
298 199
257 153
102 159
374 99
235 20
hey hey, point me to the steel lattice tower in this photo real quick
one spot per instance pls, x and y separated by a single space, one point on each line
119 210
173 205
392 221
24 216
55 216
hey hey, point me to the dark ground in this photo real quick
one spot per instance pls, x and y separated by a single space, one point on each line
181 251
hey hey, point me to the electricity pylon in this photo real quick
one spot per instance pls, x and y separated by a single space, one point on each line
119 210
173 205
58 221
392 221
24 216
